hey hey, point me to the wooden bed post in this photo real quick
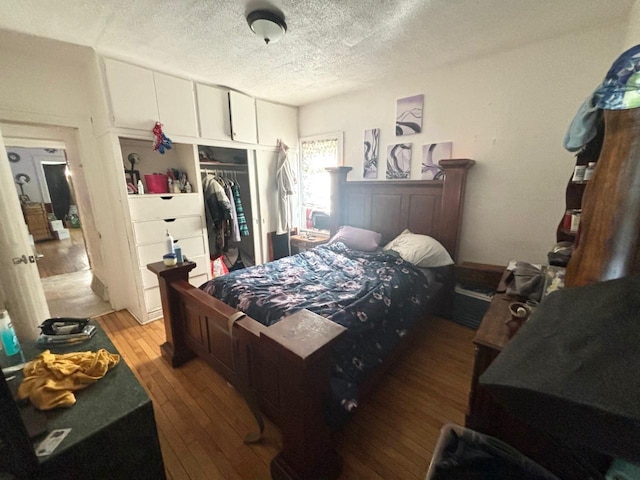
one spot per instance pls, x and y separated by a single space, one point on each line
174 349
338 180
455 171
301 345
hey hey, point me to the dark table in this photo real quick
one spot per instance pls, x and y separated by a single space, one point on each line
113 430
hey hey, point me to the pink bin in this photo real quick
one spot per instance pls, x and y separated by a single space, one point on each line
157 183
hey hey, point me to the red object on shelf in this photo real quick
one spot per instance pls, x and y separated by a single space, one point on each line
157 183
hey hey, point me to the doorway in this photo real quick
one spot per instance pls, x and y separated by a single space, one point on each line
49 204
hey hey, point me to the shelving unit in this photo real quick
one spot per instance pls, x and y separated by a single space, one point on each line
575 190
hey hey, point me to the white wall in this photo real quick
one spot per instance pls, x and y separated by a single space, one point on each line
45 83
509 112
633 28
30 163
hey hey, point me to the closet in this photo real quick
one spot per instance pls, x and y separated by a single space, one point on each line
231 231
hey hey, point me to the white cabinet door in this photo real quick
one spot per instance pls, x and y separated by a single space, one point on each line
267 193
277 122
213 110
243 117
133 95
176 105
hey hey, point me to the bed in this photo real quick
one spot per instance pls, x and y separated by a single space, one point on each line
288 367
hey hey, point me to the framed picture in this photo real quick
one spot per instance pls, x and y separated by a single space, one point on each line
409 115
132 177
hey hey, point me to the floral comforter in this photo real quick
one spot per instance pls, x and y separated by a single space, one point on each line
377 296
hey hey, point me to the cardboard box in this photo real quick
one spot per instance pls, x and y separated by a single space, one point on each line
56 225
62 233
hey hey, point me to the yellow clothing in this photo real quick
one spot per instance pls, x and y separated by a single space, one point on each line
50 378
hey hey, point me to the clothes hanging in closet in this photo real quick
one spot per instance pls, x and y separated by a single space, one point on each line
242 221
226 221
218 213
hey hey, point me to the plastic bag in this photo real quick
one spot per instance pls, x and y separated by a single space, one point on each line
218 267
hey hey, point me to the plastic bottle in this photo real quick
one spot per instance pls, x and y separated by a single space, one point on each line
170 245
8 334
588 173
140 187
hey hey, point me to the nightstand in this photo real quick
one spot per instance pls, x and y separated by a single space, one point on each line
302 242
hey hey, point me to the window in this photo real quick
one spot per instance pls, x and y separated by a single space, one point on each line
316 154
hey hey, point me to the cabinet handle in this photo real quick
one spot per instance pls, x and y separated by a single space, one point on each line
167 198
169 220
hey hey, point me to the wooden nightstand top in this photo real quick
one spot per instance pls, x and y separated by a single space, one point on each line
310 241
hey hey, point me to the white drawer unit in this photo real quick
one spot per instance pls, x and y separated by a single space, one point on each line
153 252
154 231
161 206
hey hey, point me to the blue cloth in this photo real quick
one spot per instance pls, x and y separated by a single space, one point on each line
584 126
619 90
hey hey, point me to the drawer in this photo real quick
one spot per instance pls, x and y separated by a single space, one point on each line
153 252
152 301
157 207
154 231
149 279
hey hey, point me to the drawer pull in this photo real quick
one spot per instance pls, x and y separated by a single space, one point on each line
166 197
169 220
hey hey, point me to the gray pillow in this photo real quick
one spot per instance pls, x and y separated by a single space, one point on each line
357 238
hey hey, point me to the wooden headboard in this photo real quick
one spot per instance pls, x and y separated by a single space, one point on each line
428 207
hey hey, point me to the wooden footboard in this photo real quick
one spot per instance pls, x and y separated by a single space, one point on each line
287 366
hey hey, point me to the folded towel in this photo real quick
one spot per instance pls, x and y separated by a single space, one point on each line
50 378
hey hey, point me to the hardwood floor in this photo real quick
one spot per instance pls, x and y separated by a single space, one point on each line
63 256
71 295
202 420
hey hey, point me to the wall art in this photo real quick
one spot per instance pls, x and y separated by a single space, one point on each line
432 153
409 115
398 161
371 152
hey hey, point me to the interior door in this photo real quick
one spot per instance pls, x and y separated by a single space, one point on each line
21 291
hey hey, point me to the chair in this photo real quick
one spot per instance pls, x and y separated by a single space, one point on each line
279 245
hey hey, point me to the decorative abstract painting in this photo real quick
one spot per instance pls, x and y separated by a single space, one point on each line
398 161
409 115
371 152
432 153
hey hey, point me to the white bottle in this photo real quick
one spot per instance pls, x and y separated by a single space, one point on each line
8 334
140 187
170 246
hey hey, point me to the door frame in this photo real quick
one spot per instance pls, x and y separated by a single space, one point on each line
37 135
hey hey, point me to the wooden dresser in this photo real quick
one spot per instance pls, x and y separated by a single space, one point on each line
35 216
486 415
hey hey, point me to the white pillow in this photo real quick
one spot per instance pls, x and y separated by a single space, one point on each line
421 250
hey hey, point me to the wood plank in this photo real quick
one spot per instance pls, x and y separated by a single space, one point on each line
202 420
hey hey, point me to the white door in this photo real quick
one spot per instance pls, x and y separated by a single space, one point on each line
21 291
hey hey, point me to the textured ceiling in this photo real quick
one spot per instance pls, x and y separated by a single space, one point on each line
331 47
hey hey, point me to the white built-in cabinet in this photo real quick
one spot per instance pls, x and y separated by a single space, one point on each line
243 117
213 111
139 97
192 114
277 122
132 95
152 215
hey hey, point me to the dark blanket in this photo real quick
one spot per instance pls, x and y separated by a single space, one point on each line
377 296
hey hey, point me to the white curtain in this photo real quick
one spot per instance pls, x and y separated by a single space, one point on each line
286 182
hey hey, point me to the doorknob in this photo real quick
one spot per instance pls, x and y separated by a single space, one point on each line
35 258
19 260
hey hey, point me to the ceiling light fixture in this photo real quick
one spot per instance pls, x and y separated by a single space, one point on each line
267 25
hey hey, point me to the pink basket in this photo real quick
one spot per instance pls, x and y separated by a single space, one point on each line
157 183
